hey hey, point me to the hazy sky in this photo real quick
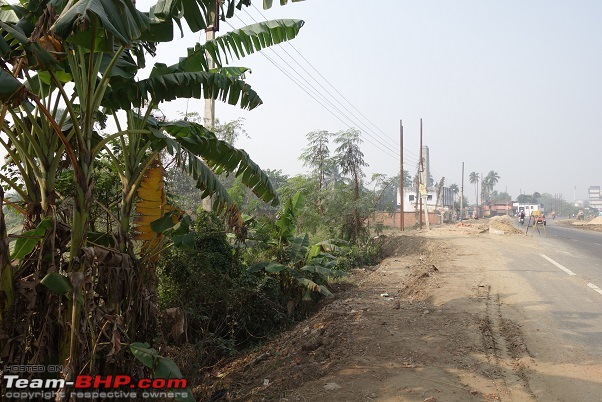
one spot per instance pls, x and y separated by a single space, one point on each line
512 86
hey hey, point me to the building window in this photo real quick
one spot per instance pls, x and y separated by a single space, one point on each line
429 197
411 197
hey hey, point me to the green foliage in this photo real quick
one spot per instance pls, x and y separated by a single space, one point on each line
106 192
226 305
26 242
162 367
358 256
299 268
12 217
308 217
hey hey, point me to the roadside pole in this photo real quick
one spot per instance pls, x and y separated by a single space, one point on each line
401 214
462 196
209 111
423 186
420 176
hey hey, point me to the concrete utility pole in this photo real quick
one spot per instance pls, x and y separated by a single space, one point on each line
480 210
401 214
212 28
423 185
507 200
462 196
209 112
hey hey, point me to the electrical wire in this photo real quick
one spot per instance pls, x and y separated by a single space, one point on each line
381 147
396 144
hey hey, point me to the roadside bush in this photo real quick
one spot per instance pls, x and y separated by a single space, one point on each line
226 306
369 253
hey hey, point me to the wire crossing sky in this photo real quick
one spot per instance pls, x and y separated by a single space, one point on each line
511 86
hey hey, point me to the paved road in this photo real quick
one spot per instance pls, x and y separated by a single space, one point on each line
563 313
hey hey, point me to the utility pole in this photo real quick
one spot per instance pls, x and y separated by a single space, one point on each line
209 113
462 196
507 200
480 210
401 214
420 170
212 28
423 185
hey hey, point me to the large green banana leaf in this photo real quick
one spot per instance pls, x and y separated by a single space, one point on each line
119 18
15 43
126 94
222 157
11 90
196 12
7 14
239 43
252 38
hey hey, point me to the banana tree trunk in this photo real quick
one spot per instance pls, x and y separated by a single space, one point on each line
125 215
6 275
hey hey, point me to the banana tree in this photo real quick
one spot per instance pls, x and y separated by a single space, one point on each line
84 55
300 267
194 143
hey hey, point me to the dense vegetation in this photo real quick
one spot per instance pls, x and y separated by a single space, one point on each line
104 255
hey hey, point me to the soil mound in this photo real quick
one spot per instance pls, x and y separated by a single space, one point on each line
403 245
503 225
595 221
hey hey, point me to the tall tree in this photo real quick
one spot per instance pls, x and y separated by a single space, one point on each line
317 154
351 161
489 182
474 179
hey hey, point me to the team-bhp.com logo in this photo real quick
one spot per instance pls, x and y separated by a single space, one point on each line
90 386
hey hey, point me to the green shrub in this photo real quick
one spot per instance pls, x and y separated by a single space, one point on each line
226 306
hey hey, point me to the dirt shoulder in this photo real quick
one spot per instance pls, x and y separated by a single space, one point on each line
424 325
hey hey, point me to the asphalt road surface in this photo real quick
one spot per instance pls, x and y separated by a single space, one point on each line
563 310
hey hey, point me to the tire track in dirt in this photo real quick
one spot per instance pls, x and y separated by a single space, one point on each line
505 348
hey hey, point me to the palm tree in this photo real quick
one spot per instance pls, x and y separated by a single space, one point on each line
490 181
98 47
474 179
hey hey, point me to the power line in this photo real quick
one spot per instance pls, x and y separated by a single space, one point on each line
396 144
366 128
324 98
385 150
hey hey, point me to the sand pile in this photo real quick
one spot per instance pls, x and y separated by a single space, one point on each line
595 221
503 225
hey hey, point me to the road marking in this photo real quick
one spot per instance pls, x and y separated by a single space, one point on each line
568 271
597 289
598 244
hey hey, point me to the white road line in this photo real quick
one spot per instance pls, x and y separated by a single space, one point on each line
597 289
568 271
598 244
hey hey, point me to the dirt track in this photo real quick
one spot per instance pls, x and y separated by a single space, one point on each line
427 324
